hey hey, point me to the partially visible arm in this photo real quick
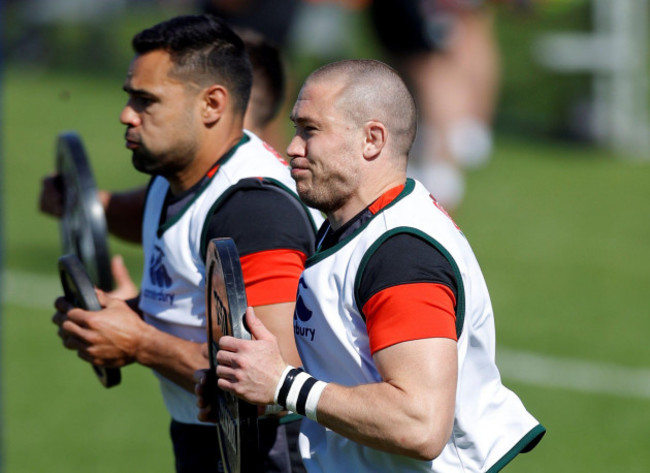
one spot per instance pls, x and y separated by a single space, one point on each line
50 200
124 211
409 309
117 336
174 358
278 318
273 241
410 412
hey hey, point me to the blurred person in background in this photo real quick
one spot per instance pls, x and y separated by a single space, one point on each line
268 94
445 49
447 52
271 18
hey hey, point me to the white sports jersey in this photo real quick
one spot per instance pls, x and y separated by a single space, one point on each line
491 424
172 295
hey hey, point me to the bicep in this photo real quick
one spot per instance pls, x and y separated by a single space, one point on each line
410 411
426 372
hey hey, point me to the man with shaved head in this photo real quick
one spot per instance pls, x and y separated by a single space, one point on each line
393 320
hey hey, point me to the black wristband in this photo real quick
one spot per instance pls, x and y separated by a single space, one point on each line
286 385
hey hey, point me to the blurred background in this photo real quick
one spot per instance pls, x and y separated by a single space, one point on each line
549 179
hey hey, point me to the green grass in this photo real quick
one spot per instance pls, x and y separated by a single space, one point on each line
57 417
562 234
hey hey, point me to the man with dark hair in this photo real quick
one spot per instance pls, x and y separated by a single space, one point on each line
393 319
188 87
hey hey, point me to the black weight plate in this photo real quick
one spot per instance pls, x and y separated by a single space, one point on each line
226 307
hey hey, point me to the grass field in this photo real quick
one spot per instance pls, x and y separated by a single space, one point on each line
562 234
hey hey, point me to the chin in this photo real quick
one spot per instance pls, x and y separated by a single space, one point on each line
143 163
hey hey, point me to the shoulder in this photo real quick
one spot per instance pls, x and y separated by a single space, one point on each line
261 216
405 258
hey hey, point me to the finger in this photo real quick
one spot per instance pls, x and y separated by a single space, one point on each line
84 355
226 351
62 305
199 376
225 384
207 415
226 373
58 318
71 342
125 288
80 317
227 344
121 272
256 327
102 297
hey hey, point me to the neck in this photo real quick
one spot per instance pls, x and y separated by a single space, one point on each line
205 157
364 198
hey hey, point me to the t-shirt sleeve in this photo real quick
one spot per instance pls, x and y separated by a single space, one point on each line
273 236
408 291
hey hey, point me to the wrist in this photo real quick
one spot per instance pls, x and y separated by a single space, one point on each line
147 344
299 392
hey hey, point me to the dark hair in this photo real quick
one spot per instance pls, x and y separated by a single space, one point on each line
268 75
204 51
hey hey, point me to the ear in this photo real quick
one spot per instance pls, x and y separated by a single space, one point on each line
375 136
213 104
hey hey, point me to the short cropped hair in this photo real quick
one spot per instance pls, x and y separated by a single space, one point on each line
372 90
204 51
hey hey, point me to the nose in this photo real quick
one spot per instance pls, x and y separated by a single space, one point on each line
296 147
129 116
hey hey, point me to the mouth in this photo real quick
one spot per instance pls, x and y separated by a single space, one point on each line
131 141
299 166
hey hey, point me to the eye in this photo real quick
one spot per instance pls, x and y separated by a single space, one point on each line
140 102
304 130
143 101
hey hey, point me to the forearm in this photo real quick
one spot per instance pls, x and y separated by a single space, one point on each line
124 212
174 358
384 417
410 412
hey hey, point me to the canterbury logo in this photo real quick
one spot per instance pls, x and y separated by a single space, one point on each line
302 312
157 271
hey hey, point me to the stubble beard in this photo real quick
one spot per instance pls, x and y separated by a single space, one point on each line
165 163
327 196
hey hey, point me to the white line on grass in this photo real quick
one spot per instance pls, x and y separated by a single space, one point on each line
573 374
38 291
30 290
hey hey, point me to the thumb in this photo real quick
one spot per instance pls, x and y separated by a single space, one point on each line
255 326
125 288
120 271
102 297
